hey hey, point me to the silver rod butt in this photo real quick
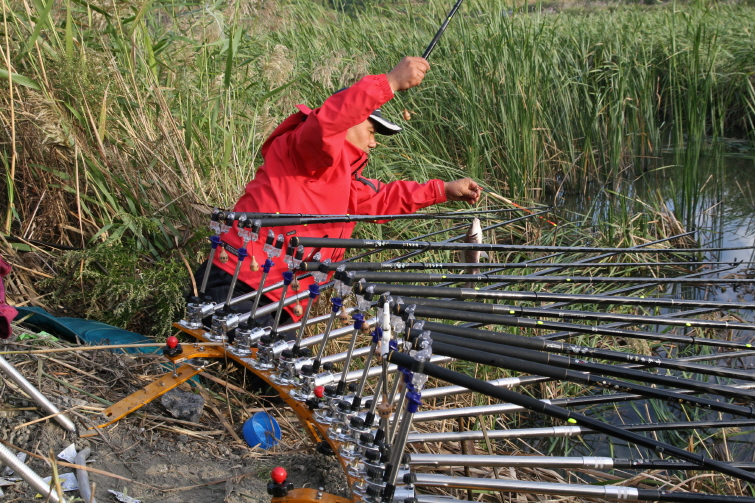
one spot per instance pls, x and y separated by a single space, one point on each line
595 462
523 486
38 397
26 473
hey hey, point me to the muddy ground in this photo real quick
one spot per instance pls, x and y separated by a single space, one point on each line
150 455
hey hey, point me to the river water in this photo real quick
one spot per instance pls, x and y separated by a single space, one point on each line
722 213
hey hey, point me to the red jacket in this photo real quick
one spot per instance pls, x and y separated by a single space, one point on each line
309 167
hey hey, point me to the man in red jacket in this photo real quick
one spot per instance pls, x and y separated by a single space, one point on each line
313 163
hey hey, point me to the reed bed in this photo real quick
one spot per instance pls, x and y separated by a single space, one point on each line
131 119
123 124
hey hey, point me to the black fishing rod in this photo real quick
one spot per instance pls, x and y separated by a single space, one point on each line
589 260
547 312
440 31
570 417
292 221
583 401
451 239
290 300
574 328
537 344
507 408
515 321
614 292
584 260
442 214
487 247
473 294
690 425
501 355
419 277
381 266
221 215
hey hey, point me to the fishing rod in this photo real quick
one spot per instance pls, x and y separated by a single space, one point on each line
511 320
282 221
380 266
589 329
511 408
568 431
512 382
440 31
591 259
561 335
211 308
614 292
233 320
583 401
473 294
584 260
557 367
547 312
591 462
556 412
221 214
419 277
537 344
619 493
294 221
487 247
451 239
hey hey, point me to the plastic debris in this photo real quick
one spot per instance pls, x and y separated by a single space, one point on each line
67 481
8 471
122 497
68 454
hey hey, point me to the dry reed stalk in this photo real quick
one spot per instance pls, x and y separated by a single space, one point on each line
94 348
12 110
210 403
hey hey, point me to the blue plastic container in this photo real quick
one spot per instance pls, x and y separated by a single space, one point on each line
261 429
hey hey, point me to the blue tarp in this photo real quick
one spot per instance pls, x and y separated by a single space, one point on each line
88 332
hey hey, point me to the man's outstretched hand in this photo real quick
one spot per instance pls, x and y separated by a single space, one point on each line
408 73
464 189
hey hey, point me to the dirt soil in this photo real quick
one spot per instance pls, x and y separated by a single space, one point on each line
149 455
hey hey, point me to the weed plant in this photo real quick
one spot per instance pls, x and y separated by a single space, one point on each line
124 123
159 110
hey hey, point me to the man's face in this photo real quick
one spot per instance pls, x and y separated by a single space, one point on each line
362 136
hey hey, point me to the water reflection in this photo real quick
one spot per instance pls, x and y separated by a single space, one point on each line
723 215
722 212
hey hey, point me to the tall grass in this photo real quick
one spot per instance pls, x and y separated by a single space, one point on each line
123 122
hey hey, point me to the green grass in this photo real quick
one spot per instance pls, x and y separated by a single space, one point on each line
130 120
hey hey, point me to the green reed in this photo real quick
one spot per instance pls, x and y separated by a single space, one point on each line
132 119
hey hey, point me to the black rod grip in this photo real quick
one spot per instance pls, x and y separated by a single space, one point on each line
536 405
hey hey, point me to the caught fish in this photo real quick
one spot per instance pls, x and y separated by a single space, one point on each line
474 235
